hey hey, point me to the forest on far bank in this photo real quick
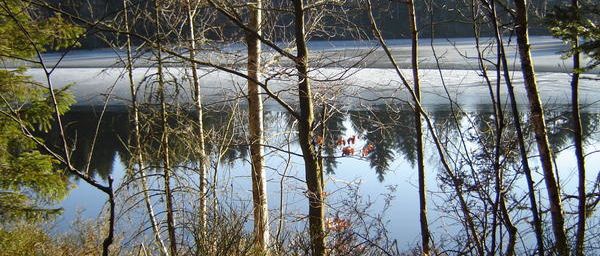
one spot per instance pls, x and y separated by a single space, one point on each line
451 19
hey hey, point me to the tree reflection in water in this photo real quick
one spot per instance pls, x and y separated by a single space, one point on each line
388 128
468 137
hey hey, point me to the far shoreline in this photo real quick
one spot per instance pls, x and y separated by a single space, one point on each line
453 54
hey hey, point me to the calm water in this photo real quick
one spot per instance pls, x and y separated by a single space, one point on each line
385 175
386 179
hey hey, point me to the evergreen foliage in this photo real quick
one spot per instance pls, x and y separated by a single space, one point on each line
569 25
30 180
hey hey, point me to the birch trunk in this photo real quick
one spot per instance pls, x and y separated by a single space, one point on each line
255 122
137 148
202 159
164 135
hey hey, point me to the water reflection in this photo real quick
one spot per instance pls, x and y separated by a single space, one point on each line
469 138
391 131
110 141
389 128
560 128
334 131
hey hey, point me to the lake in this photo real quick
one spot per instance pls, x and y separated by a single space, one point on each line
385 176
367 102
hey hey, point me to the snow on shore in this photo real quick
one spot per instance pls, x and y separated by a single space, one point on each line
369 80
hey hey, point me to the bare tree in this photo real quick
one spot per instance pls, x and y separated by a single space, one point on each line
306 126
192 10
503 63
137 134
255 121
539 127
578 137
425 235
454 179
166 164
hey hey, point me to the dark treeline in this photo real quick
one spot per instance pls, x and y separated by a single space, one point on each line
450 18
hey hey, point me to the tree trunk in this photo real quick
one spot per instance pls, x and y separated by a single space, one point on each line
500 201
425 236
517 124
255 122
313 172
539 127
164 135
456 183
202 159
578 140
137 137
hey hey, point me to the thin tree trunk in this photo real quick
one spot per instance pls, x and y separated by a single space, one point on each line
202 159
281 224
499 129
164 136
255 122
500 202
456 182
578 139
137 137
111 226
497 113
313 172
517 124
425 236
539 127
